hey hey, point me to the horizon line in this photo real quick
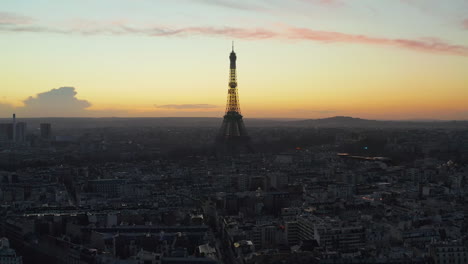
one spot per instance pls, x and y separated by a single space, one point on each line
264 118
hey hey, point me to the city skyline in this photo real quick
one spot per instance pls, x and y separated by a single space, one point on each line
396 60
234 131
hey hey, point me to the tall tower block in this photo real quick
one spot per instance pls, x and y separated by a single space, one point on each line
46 130
232 138
14 127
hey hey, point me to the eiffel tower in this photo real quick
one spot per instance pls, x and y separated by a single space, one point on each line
232 138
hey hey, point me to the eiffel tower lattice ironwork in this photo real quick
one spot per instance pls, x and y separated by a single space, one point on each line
232 138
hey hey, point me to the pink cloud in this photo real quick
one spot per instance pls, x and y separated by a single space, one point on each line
15 23
239 33
432 45
329 2
465 23
325 2
13 19
235 5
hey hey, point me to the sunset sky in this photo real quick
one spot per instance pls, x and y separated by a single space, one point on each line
378 59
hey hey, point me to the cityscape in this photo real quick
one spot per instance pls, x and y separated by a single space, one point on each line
192 178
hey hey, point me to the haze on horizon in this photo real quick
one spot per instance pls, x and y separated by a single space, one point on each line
391 59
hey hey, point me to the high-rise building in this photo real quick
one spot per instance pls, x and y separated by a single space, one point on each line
232 138
14 127
20 132
46 131
6 131
13 132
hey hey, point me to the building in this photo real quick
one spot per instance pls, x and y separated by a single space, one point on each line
330 233
268 235
449 252
292 232
6 132
340 237
245 250
109 187
305 227
20 132
14 127
7 254
46 131
13 132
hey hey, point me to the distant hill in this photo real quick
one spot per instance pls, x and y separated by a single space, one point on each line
336 121
346 121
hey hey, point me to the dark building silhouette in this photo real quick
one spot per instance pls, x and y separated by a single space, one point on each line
232 138
14 127
20 132
6 131
15 131
46 131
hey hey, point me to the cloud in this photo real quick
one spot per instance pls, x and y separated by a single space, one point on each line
239 5
431 45
428 45
186 106
234 4
63 102
328 2
314 111
160 31
56 102
240 33
60 102
465 23
14 19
